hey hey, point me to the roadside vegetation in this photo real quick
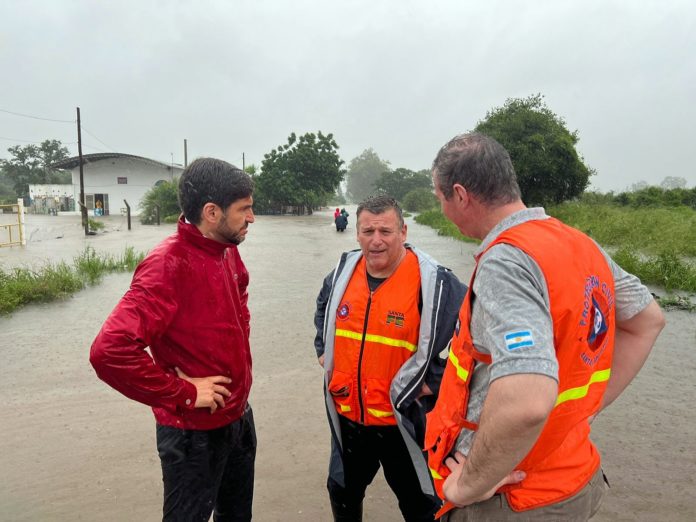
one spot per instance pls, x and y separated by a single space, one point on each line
657 243
22 286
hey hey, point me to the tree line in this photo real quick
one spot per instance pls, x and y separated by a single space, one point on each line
307 171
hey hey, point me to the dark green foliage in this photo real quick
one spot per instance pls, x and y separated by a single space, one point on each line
165 194
399 182
420 200
657 197
31 164
303 173
542 149
363 173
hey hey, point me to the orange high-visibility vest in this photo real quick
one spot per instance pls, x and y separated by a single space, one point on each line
375 334
581 296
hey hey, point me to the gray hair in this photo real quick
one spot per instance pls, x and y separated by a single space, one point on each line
379 205
481 165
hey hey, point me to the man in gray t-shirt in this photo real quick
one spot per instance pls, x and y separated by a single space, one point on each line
512 397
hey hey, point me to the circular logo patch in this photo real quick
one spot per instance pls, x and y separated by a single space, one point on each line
343 312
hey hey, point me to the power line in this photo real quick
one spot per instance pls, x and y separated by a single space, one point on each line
100 141
36 117
61 142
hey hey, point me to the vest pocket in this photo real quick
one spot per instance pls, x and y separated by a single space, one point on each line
341 390
378 405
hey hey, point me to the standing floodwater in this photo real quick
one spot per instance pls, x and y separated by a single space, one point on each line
73 449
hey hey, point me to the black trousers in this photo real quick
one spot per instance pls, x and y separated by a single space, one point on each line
208 472
364 449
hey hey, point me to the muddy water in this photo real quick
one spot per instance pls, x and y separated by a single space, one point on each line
72 449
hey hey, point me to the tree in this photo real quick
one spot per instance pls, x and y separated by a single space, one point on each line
399 182
31 164
542 149
673 182
304 173
164 194
363 172
420 199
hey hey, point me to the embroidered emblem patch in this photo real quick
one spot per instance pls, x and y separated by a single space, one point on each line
599 324
343 312
519 339
397 318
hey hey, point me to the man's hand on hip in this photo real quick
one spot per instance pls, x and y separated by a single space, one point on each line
209 390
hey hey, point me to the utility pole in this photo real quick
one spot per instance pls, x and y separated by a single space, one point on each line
185 153
83 206
243 165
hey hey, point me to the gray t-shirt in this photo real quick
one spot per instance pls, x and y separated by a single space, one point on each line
511 296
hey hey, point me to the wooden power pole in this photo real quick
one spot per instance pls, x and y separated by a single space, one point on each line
83 206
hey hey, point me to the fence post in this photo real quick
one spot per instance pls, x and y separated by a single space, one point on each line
128 213
20 221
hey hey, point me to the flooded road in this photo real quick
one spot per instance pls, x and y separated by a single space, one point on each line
73 449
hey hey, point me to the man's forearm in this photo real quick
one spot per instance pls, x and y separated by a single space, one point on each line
513 415
635 338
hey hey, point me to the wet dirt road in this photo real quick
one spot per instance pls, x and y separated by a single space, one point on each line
73 449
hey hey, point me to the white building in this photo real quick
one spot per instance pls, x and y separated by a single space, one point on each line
110 178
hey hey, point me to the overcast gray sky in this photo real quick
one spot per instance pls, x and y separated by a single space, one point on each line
401 76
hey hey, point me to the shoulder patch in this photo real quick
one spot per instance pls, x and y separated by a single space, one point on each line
519 339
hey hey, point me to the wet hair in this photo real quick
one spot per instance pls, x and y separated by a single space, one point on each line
481 165
379 205
210 180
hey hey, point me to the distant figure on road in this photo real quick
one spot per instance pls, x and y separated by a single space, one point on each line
341 222
188 303
336 213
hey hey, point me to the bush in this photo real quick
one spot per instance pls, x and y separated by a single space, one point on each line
419 200
166 196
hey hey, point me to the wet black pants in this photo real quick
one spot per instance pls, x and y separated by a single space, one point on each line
208 472
364 449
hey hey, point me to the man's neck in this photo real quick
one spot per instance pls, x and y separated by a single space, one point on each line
489 217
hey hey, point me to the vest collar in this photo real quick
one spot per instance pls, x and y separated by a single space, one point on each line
519 217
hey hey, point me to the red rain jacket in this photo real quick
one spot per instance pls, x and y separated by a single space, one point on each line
187 303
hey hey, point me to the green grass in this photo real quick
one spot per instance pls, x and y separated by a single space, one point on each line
435 219
645 229
656 244
22 286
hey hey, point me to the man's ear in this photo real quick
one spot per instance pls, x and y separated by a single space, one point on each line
460 194
210 213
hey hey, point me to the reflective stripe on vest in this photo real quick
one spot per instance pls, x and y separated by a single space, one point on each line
581 296
358 336
376 333
574 394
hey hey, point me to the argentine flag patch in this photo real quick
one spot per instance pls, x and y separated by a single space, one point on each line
520 339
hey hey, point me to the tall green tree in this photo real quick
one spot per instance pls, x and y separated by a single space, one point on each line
31 164
303 173
549 168
363 172
399 182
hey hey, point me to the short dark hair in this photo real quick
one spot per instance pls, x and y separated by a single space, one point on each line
481 165
380 204
210 180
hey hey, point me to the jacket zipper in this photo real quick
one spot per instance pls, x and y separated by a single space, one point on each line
362 349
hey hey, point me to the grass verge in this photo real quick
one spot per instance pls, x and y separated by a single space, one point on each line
22 286
658 245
